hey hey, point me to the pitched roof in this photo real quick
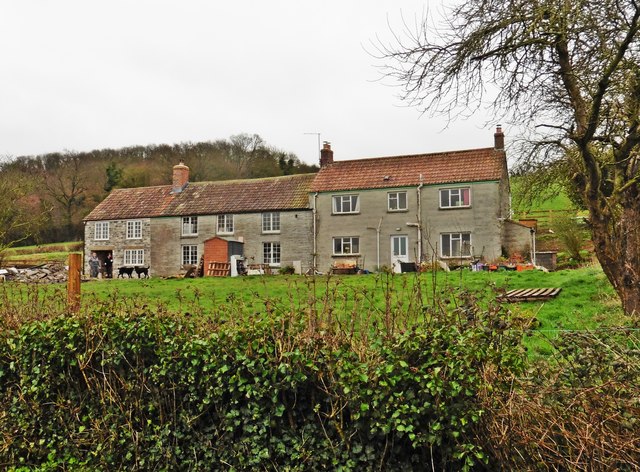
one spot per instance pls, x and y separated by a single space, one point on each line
207 198
400 171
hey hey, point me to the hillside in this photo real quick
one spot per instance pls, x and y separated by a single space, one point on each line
53 192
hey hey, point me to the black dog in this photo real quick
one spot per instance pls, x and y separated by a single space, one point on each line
142 271
122 271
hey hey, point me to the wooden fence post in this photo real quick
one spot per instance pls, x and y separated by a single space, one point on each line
73 282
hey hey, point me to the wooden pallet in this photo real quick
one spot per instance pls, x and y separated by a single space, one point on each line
529 294
219 269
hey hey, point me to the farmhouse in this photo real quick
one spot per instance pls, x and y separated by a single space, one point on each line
365 213
396 211
169 228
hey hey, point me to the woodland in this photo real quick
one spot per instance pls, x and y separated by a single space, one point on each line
50 194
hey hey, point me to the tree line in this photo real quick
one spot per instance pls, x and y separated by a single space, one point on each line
49 195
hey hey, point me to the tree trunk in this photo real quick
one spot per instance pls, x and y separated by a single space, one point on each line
617 246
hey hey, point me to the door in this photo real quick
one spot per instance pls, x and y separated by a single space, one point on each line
399 251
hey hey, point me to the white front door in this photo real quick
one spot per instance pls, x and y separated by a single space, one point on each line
399 251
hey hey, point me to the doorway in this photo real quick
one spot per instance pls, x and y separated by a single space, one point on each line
399 251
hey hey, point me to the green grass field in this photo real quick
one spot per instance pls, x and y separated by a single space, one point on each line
587 300
41 253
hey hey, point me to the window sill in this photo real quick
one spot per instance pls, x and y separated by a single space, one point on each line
346 213
271 232
404 210
456 208
187 236
355 254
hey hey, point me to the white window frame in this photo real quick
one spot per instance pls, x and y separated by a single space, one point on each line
189 254
346 204
134 229
271 222
271 253
345 242
133 257
455 237
226 223
393 198
189 226
454 197
101 231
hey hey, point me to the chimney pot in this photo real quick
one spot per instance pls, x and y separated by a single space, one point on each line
180 177
326 154
498 138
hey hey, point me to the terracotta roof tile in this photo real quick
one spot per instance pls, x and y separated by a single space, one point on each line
204 198
400 171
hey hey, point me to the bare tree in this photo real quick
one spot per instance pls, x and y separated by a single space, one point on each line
567 69
64 182
244 151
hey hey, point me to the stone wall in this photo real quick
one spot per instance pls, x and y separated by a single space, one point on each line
117 242
516 238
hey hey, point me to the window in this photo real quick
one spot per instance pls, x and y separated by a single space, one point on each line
225 224
346 245
133 257
134 229
190 254
455 197
102 230
271 222
190 226
456 244
397 201
271 253
346 204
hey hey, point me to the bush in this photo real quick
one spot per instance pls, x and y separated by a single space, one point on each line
578 411
146 391
571 232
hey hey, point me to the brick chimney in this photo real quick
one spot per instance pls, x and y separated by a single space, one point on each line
498 138
326 154
180 177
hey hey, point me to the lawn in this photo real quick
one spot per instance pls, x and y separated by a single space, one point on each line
41 253
587 300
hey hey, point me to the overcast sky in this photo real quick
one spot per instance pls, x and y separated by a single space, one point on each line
79 75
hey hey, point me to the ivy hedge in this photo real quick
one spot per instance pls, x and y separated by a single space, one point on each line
155 391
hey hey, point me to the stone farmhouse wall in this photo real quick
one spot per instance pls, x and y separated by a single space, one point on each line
483 220
162 240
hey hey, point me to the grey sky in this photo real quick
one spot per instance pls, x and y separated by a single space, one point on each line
81 74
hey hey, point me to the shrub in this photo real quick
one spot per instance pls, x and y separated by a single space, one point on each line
287 270
571 233
135 390
578 411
